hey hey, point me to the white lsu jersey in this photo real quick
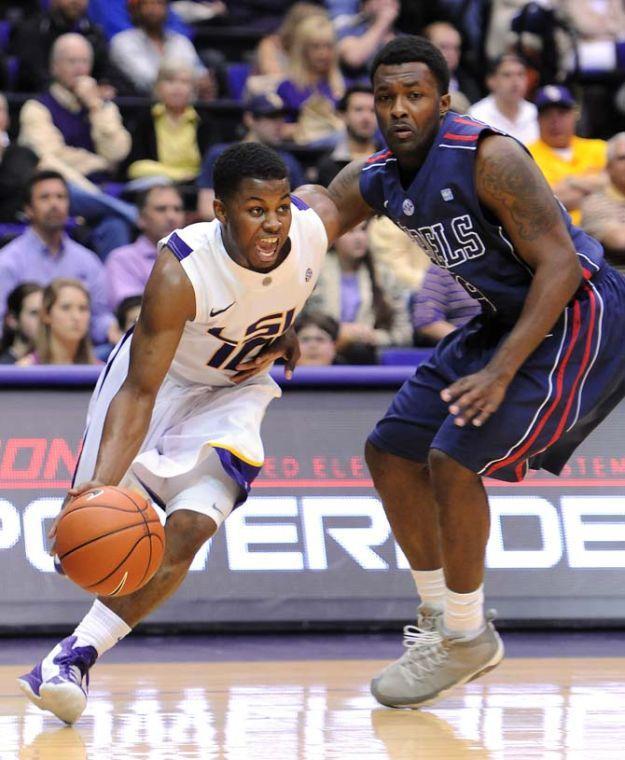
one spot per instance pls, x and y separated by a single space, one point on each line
239 311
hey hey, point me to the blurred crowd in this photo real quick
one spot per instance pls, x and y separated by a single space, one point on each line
113 113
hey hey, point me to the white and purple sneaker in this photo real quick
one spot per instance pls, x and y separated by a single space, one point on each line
55 684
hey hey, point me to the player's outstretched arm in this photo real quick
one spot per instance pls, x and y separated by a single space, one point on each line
168 302
341 205
512 187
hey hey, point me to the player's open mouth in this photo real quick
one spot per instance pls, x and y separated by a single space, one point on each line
267 247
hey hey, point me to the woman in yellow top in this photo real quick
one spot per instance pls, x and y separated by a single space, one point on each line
573 166
171 139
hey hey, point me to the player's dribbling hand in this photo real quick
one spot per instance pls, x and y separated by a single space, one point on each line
474 398
286 346
71 494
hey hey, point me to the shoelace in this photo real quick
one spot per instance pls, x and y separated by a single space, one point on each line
425 651
75 665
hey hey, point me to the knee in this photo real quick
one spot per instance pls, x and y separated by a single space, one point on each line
389 471
448 476
185 533
373 458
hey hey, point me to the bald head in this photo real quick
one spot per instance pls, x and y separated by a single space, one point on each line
71 57
616 161
447 39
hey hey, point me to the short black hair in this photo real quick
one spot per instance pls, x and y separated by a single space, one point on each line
38 177
495 64
124 306
242 161
142 198
319 319
355 89
409 48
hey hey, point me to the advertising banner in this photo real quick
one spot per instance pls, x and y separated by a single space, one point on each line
312 543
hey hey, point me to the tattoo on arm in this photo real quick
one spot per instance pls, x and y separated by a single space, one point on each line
345 182
512 181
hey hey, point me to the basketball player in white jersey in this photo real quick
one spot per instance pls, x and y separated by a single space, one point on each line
177 410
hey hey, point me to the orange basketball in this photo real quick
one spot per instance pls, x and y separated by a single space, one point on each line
110 541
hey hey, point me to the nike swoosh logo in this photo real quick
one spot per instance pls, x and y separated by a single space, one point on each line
215 312
121 585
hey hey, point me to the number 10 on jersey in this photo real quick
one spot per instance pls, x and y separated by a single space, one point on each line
257 335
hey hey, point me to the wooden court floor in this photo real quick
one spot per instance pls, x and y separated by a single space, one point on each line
527 708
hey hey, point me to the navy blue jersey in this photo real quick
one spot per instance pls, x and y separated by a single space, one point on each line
441 211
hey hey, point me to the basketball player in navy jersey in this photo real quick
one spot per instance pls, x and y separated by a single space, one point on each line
518 387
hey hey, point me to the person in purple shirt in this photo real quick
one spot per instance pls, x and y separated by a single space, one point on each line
45 251
161 211
440 306
314 74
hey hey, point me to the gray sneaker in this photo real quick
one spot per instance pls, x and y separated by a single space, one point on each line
433 663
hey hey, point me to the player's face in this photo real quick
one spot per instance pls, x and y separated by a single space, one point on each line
409 107
256 220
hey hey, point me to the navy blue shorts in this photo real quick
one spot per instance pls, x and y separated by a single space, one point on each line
562 392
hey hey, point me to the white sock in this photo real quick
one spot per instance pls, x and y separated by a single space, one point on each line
430 587
100 628
464 613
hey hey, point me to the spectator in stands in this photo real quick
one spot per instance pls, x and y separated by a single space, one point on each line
439 307
274 50
573 166
170 142
34 37
314 84
17 165
463 88
139 51
21 322
114 16
127 312
257 15
264 121
366 300
358 140
63 334
362 35
74 131
603 212
599 30
398 253
128 268
506 108
317 333
45 252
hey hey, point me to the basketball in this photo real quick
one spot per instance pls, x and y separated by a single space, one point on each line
110 541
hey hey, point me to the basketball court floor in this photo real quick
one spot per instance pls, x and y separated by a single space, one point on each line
306 697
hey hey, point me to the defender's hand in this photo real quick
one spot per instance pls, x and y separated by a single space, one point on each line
71 494
473 398
286 346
